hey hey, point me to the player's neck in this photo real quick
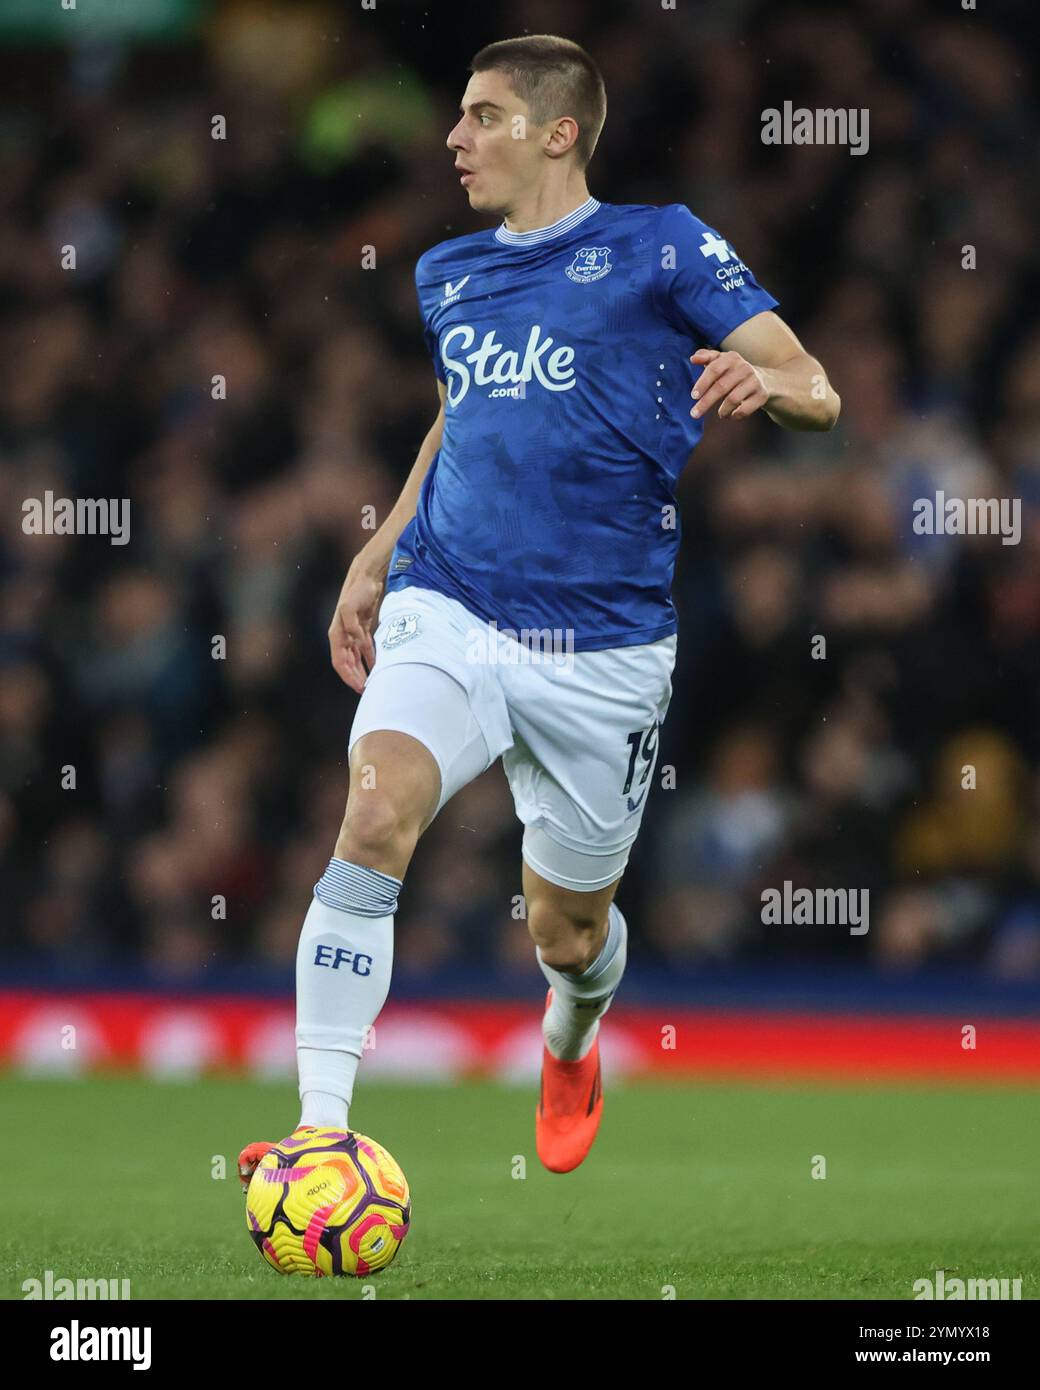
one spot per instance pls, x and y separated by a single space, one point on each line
544 208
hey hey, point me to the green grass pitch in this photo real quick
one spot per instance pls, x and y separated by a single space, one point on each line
705 1189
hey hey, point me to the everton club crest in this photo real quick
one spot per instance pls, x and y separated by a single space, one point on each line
590 263
400 630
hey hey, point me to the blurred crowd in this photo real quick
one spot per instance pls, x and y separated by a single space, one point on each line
172 736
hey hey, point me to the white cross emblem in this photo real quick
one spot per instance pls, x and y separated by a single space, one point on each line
715 246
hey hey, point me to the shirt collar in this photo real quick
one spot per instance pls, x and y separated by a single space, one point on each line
550 233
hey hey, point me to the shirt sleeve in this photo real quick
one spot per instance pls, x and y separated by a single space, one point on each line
701 285
430 338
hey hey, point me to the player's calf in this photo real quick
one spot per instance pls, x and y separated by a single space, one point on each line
565 944
568 928
581 941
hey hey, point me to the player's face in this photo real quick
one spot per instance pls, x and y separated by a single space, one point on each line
496 154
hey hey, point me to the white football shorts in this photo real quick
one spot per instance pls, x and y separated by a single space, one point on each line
577 731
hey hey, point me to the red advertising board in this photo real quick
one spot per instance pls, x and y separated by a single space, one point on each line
181 1036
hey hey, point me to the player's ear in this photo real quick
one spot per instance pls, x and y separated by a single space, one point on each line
562 137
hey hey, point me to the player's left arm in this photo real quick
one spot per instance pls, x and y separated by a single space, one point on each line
761 365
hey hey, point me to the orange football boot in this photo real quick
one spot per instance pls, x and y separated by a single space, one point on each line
253 1153
569 1107
249 1158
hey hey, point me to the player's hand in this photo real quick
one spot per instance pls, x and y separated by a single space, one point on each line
354 621
729 381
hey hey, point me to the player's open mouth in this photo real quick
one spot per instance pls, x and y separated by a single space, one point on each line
464 175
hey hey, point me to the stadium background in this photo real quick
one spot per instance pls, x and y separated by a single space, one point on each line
241 257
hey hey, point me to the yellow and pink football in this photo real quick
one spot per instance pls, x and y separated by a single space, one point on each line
326 1202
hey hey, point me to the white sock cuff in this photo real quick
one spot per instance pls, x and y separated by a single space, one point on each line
617 935
355 888
606 970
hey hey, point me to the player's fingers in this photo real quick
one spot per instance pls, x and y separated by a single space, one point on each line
358 675
742 395
707 379
712 371
345 631
749 405
368 651
704 355
343 651
348 667
716 392
746 407
721 363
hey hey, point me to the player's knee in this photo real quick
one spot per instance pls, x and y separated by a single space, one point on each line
567 940
376 833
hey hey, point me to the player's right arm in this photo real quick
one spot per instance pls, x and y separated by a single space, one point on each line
354 621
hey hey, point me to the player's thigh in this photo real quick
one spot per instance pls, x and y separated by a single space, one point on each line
395 784
414 743
582 763
425 720
425 684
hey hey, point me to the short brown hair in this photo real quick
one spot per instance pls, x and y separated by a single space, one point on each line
555 77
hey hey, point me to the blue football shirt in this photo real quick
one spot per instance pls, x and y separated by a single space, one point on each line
565 353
